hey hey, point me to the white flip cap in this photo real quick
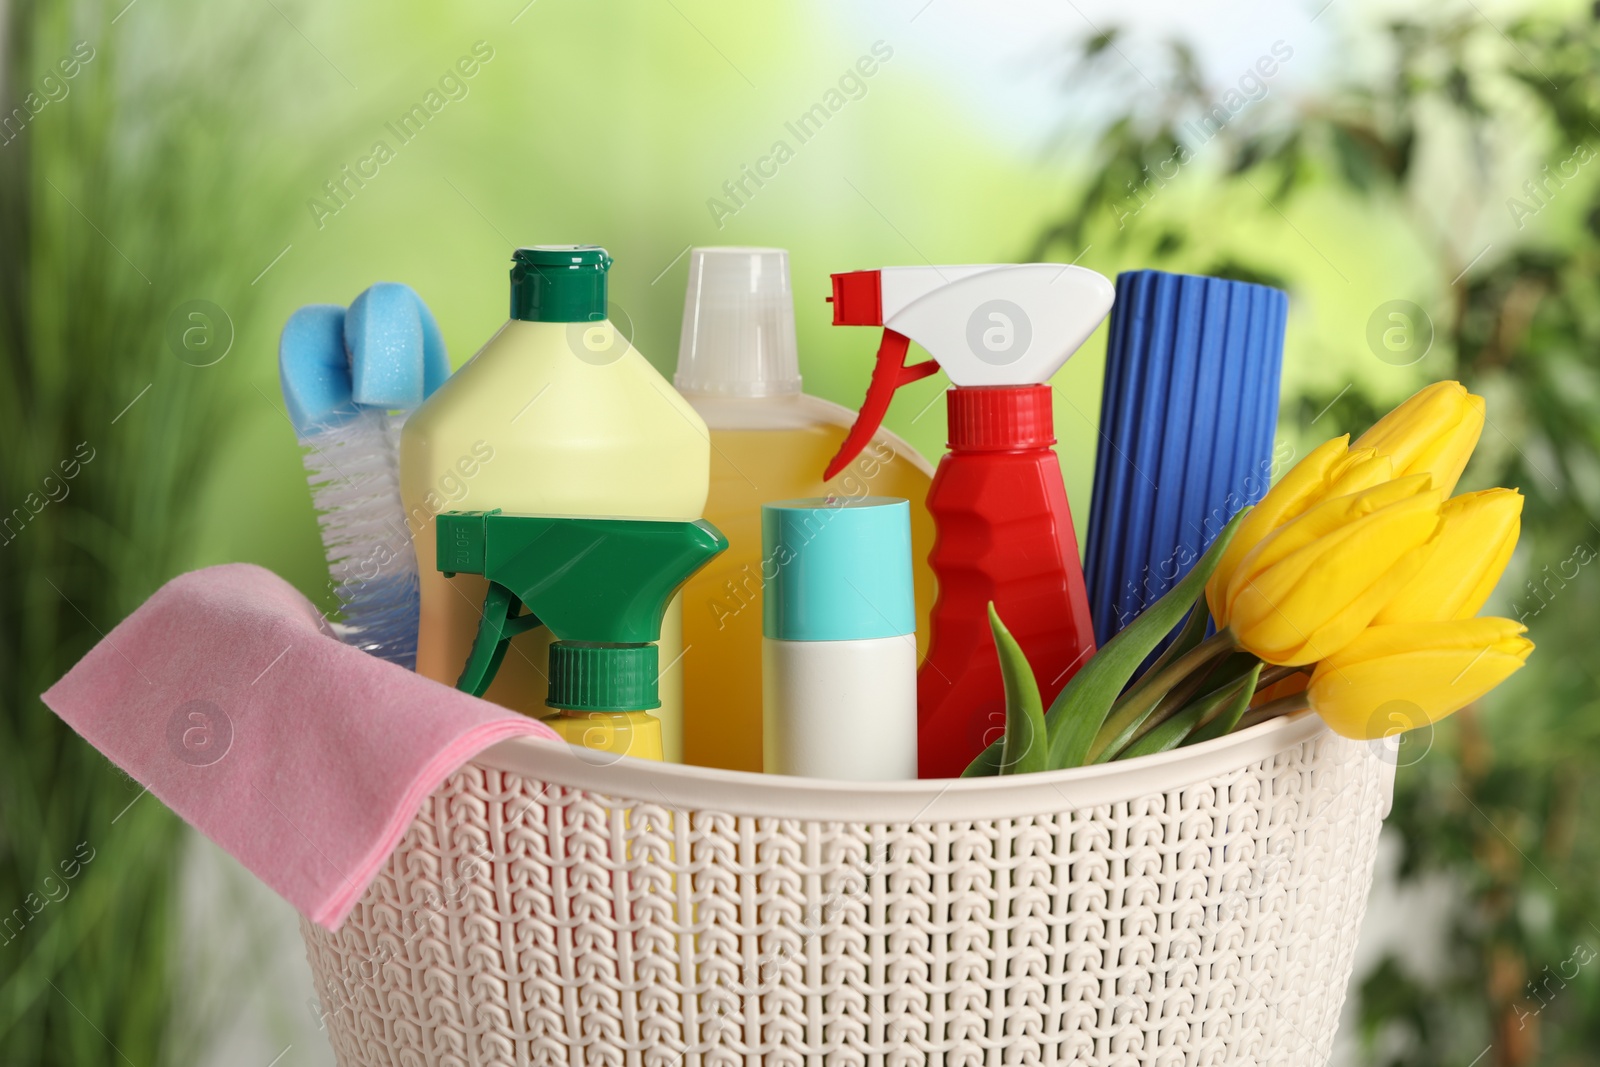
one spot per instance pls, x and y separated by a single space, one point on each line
738 324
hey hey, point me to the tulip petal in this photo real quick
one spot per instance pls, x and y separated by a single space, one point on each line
1470 635
1362 469
1478 595
1344 625
1394 678
1422 417
1320 521
1446 457
1476 538
1297 490
1433 432
1318 598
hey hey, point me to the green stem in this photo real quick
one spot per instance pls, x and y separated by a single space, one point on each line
1273 709
1182 695
1132 709
1223 705
1177 698
1189 635
1220 719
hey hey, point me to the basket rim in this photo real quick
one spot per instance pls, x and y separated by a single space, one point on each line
927 800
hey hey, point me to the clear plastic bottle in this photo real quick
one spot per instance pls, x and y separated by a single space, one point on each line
737 365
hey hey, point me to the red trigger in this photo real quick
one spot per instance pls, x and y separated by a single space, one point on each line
888 374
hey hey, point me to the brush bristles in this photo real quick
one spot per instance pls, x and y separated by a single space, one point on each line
353 471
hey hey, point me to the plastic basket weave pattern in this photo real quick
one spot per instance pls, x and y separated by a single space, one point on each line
1195 908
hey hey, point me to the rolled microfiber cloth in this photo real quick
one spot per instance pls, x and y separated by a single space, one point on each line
1187 418
306 759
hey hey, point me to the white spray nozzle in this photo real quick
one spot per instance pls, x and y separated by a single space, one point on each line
1012 324
996 325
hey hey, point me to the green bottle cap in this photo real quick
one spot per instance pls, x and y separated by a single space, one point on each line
559 283
590 677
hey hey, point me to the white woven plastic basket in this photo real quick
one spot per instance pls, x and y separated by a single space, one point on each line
1197 907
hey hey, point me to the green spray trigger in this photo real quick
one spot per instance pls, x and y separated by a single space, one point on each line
600 585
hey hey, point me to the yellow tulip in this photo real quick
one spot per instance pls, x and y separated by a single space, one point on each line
1395 678
1476 538
1434 432
1331 469
1361 468
1312 585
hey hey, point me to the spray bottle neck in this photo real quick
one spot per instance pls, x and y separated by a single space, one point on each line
1000 418
587 677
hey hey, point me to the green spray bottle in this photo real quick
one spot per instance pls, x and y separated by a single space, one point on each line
601 587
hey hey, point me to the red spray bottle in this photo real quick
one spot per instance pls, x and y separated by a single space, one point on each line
1004 527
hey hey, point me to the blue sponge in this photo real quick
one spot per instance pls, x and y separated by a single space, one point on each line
386 352
383 334
313 368
435 361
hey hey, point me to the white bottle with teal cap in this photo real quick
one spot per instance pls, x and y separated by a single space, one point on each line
839 645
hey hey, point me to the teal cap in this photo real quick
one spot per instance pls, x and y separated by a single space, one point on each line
837 569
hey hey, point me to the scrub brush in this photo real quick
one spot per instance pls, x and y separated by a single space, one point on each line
349 379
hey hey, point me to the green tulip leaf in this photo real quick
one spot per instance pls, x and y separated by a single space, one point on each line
1192 633
1078 712
985 764
1170 734
1023 749
1224 723
1227 672
1156 688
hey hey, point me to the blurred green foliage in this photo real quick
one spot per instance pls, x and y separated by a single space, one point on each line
108 437
96 509
1467 147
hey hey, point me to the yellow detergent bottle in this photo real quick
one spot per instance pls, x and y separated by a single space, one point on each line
769 441
558 414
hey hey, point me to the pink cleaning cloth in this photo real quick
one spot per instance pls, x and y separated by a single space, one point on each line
226 695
